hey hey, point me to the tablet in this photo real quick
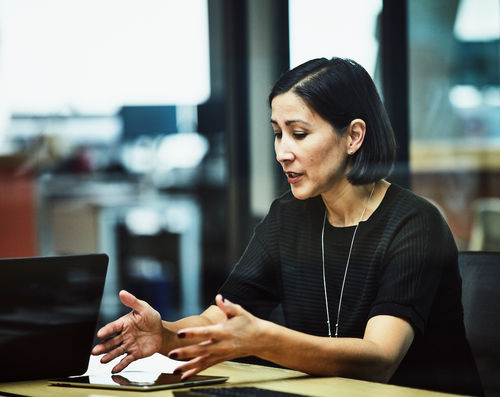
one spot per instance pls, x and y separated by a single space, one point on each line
137 380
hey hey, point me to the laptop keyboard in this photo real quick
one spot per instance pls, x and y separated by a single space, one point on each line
242 392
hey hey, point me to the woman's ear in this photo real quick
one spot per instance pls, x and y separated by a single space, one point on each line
355 135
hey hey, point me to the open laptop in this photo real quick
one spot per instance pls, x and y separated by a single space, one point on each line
48 314
49 308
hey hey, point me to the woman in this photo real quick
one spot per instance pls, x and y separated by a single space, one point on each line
366 272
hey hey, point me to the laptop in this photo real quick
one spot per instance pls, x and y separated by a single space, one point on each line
49 308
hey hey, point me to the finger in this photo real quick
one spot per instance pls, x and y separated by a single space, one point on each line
195 365
107 345
131 301
229 308
192 372
111 329
113 353
201 333
190 351
116 326
124 362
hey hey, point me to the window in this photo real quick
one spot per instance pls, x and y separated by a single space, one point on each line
326 28
454 64
90 57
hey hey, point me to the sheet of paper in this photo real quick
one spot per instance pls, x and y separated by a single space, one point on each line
155 363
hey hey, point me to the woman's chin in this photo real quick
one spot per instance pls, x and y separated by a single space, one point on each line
300 194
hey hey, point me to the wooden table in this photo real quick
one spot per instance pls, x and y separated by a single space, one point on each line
239 375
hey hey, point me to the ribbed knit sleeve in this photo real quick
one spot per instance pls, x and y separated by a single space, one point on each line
421 249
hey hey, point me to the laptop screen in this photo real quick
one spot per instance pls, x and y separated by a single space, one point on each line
48 314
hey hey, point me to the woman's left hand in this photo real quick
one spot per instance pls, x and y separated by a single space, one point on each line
236 336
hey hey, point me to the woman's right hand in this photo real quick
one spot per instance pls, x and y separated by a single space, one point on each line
137 334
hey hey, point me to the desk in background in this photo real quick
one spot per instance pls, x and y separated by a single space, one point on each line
242 375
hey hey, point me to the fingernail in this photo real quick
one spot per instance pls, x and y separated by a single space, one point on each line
173 356
181 335
177 372
219 295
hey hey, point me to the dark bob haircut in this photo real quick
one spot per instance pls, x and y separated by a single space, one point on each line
340 90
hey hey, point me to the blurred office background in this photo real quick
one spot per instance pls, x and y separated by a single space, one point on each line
141 128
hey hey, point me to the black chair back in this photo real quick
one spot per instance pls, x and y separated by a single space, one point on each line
480 272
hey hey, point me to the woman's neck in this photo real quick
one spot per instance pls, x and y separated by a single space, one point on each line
346 204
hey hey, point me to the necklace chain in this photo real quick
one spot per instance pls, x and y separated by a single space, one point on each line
346 267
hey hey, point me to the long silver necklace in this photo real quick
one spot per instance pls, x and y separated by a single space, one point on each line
346 267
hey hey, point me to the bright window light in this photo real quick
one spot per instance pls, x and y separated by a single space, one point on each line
465 96
478 20
326 28
94 56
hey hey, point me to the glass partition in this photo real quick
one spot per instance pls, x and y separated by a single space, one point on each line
98 120
454 69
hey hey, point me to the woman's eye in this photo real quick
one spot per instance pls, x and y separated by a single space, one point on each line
277 134
299 135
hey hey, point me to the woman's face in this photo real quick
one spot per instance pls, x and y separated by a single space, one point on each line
312 154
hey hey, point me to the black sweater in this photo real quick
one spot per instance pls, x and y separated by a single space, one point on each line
403 264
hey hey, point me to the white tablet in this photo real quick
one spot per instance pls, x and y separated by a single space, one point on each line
137 380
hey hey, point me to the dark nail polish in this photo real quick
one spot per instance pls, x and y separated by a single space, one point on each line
177 372
173 356
181 335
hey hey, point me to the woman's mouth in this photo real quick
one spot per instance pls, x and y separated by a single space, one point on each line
293 177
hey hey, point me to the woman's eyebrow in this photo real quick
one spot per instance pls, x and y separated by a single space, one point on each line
289 122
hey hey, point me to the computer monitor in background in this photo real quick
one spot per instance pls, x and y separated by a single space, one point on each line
148 121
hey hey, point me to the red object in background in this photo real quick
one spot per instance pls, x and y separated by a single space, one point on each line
17 215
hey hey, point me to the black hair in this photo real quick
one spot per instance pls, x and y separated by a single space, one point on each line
340 90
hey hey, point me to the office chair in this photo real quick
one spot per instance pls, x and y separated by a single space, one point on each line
480 272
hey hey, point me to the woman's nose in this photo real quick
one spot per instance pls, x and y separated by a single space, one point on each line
283 152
